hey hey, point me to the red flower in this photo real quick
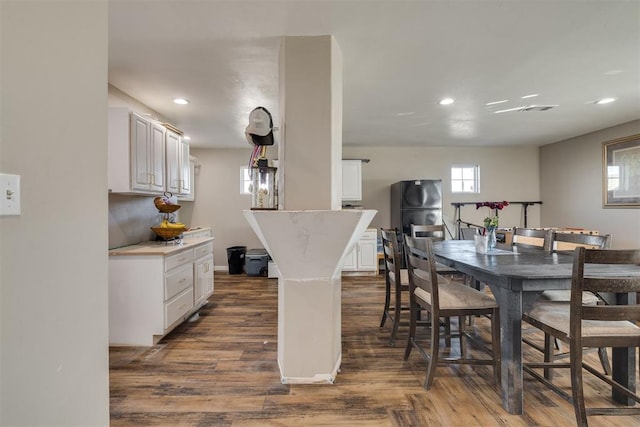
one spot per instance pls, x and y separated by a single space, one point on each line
492 205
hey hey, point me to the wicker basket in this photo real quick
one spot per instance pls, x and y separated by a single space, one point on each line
168 233
168 208
163 207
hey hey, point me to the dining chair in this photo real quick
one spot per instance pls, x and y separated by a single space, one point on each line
528 236
559 241
436 233
445 300
591 326
396 283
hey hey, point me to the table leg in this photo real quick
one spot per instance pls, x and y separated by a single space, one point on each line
624 361
510 303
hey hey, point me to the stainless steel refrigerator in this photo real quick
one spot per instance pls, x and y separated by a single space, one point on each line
416 202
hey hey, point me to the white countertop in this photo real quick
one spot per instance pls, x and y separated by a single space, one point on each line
159 247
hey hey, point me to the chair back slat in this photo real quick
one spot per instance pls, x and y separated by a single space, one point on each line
529 236
435 232
611 312
569 241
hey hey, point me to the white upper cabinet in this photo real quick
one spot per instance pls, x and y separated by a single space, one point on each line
178 174
351 180
185 169
173 143
145 157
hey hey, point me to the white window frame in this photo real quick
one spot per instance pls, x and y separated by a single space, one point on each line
470 185
245 181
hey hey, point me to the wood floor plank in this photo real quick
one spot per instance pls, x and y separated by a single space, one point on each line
221 370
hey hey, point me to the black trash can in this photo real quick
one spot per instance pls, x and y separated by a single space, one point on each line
235 256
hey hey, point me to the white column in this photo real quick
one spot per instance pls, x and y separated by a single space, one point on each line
309 238
310 147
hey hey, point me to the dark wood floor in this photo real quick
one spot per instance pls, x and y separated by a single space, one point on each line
221 370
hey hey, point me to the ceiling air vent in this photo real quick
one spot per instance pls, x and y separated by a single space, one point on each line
537 107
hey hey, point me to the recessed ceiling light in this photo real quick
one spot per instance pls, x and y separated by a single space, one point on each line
186 137
496 102
605 100
181 101
446 101
533 95
510 109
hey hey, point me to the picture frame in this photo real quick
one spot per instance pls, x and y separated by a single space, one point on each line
621 172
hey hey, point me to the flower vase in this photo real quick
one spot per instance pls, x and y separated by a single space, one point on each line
492 238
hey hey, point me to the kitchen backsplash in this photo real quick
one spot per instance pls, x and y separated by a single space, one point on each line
131 219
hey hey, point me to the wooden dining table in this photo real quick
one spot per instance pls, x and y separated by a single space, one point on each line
516 276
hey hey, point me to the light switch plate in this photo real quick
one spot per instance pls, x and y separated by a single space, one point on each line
9 194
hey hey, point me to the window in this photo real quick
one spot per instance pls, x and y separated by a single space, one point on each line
465 179
613 178
245 180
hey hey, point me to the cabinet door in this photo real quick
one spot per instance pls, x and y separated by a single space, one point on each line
185 169
367 255
350 262
140 172
351 180
157 157
172 142
203 285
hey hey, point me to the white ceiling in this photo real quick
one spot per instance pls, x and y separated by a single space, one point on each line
400 58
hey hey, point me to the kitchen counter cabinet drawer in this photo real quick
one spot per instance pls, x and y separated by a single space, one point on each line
178 259
203 250
178 307
178 280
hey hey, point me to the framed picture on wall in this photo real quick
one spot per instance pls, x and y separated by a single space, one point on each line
621 172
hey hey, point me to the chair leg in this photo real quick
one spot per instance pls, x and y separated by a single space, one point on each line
576 386
447 330
413 319
396 316
433 359
387 301
604 360
548 355
461 329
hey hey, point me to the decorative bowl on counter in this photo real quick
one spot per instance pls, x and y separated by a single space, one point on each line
168 233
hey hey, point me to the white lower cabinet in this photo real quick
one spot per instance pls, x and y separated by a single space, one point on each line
152 290
203 286
365 255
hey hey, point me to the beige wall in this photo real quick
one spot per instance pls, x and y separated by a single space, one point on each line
571 185
53 258
219 203
506 174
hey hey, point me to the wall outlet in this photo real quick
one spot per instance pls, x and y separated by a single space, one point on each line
9 194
